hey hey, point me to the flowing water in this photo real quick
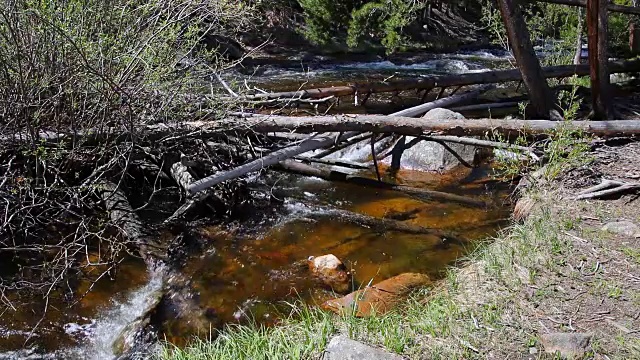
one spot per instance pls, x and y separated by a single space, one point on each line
249 274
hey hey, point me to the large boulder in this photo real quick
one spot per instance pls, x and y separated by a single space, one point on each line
379 298
567 345
342 348
330 271
431 156
622 227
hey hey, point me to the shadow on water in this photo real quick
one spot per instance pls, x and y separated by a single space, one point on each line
247 274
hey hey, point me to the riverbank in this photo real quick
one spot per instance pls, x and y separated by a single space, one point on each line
554 271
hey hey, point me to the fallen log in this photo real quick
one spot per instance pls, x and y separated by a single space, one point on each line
583 3
450 100
607 188
421 126
383 225
431 82
333 175
311 144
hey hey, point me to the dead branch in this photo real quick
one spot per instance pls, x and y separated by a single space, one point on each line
607 188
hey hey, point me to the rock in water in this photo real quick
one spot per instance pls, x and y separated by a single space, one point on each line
379 298
431 156
624 228
331 272
342 348
569 345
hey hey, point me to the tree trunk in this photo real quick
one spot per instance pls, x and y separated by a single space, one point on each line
597 25
430 82
420 126
333 175
634 33
518 34
611 7
577 59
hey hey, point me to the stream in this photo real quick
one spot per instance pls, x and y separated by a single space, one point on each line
250 272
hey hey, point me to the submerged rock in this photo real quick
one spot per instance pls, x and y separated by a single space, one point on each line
342 348
568 345
331 272
431 156
624 228
379 298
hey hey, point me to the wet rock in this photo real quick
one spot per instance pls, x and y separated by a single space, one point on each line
331 272
431 156
138 334
624 228
342 348
379 298
568 345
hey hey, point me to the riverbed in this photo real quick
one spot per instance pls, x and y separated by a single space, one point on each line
249 272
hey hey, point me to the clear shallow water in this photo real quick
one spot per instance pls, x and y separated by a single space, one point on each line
249 275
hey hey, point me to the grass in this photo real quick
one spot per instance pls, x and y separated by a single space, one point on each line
487 307
452 320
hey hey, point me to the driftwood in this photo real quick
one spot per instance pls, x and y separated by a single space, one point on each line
420 194
487 106
311 144
334 162
448 101
607 188
383 225
430 82
421 126
583 3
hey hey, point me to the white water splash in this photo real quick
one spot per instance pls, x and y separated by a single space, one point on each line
104 331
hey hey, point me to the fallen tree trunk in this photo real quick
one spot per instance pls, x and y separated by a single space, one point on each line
444 102
431 82
332 175
384 225
421 126
583 3
309 145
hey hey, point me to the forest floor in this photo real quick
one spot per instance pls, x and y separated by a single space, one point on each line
556 279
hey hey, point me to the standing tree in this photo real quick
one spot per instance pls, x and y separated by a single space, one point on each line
597 26
518 35
634 32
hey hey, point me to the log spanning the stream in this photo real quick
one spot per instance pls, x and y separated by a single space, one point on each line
430 82
422 126
634 10
314 143
333 175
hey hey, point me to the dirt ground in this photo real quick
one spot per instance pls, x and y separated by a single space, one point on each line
562 272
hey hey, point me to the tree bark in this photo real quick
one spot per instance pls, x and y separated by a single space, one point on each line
610 7
532 75
430 82
309 145
597 25
634 33
577 58
333 175
421 126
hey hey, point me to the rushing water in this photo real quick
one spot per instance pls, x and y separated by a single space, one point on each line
249 275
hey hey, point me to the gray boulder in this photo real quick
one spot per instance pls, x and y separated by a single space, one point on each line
624 228
568 345
431 156
342 348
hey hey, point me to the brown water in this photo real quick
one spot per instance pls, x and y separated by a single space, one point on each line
250 277
249 274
